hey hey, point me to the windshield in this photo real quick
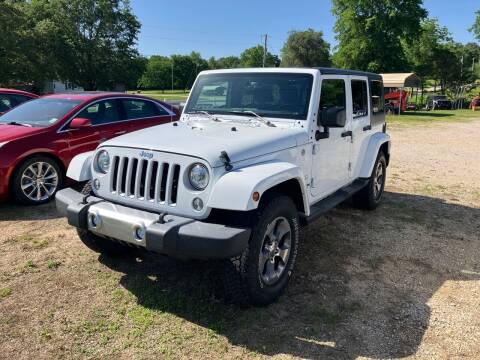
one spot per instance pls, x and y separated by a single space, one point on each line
39 112
274 95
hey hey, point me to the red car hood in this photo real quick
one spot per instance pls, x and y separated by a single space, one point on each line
12 132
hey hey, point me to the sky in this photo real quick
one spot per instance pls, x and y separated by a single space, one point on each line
225 27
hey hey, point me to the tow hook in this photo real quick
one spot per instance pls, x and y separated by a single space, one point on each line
161 218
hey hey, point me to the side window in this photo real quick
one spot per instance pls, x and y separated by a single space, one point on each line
378 102
333 95
138 109
18 99
359 98
5 103
102 112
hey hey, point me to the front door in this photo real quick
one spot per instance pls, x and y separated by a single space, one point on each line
104 117
331 155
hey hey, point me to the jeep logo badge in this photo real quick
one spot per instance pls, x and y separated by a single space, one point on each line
146 155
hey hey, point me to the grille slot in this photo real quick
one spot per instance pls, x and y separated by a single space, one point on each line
143 175
131 177
143 179
176 175
153 181
115 173
123 183
163 182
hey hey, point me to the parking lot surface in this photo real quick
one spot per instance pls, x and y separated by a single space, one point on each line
402 281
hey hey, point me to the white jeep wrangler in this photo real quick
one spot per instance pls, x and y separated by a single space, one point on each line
257 153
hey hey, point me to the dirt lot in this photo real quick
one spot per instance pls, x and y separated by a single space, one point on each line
403 281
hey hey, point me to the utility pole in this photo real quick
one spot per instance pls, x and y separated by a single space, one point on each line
473 65
265 49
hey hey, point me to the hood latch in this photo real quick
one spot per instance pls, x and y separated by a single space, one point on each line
226 160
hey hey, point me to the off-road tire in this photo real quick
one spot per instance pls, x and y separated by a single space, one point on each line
98 243
243 283
16 184
368 198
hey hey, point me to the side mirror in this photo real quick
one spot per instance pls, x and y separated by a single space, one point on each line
79 123
332 117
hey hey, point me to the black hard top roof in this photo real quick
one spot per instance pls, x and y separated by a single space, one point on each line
333 71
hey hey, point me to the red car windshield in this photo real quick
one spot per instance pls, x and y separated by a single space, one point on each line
39 112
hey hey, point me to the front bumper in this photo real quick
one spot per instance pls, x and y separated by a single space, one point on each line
174 235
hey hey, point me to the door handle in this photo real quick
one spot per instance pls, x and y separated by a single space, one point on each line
367 128
120 132
346 134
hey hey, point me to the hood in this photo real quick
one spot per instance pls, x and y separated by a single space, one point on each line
13 132
207 139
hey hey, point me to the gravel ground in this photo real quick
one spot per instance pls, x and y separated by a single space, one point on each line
402 281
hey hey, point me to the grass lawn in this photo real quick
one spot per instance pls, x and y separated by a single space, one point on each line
175 95
431 117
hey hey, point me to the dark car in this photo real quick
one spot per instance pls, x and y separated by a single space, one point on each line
10 98
438 102
39 138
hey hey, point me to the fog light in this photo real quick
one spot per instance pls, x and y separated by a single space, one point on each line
96 184
140 233
197 204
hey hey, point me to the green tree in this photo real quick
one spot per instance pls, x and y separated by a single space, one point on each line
25 57
253 57
306 49
421 53
12 25
94 41
199 63
212 63
158 73
471 59
369 33
228 62
447 66
475 29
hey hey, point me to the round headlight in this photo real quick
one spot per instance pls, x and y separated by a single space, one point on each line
199 176
103 161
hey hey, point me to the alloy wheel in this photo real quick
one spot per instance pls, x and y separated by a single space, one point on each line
378 181
39 181
275 250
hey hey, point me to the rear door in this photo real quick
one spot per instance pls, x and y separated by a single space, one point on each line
360 124
142 113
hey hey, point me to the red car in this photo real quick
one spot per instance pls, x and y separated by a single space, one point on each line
39 138
10 98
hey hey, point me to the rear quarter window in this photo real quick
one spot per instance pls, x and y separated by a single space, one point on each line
359 98
378 102
138 109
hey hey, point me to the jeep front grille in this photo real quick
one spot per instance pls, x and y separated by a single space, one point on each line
143 179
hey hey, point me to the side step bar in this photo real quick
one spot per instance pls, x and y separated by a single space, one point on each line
335 199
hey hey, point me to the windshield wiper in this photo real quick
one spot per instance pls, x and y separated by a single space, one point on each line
18 124
212 117
262 119
244 112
